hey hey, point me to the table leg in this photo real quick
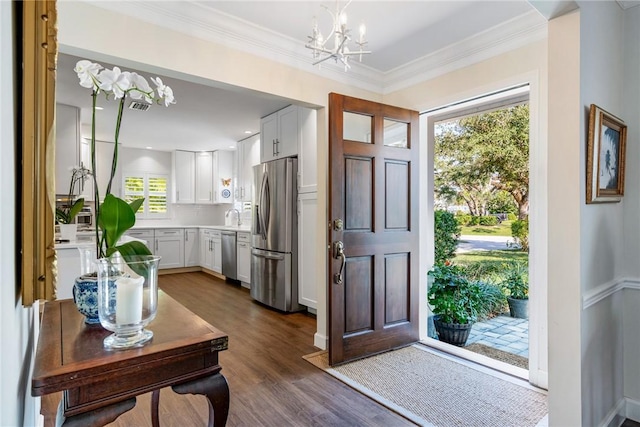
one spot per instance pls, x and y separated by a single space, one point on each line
96 418
216 389
155 402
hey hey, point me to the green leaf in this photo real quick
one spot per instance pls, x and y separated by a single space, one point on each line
116 217
131 252
62 217
135 205
76 208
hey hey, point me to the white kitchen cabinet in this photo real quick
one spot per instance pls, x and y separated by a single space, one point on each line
169 245
222 176
211 250
243 255
204 177
307 151
184 163
191 247
247 156
217 252
67 145
206 249
146 235
279 134
307 249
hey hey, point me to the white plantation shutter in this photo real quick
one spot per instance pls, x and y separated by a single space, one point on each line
157 194
154 189
134 189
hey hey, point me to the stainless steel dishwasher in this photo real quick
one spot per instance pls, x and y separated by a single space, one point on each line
229 252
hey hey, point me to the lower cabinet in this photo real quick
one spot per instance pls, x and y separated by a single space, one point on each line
191 247
169 245
244 258
211 250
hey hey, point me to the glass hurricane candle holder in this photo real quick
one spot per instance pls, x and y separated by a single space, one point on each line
127 298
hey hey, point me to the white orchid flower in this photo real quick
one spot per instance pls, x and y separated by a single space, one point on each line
140 88
168 96
160 87
88 73
115 81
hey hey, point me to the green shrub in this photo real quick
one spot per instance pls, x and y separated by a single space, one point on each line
493 302
446 234
520 233
474 220
512 216
463 218
488 220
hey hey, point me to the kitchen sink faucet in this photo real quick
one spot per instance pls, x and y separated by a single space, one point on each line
237 215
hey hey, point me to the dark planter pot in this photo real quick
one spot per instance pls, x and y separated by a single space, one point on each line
518 308
452 333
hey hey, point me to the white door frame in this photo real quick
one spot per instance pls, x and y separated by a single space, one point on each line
538 371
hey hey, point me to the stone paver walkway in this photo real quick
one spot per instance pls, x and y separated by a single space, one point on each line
503 333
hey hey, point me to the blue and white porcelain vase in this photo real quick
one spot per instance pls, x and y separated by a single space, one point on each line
85 295
85 288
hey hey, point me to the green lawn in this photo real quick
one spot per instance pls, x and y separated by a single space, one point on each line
503 229
491 256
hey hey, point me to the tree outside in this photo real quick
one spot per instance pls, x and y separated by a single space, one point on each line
479 157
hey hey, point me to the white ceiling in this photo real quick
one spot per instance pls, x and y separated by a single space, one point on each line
403 35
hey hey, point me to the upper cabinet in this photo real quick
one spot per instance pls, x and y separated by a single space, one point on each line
184 175
247 156
203 177
292 131
279 134
222 176
67 145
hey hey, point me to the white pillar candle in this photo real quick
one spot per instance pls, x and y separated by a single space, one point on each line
129 300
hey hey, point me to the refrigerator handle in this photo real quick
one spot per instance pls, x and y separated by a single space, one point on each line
263 217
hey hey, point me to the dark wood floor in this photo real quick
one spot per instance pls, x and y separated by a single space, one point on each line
270 383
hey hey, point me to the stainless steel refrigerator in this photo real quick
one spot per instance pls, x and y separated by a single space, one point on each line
274 240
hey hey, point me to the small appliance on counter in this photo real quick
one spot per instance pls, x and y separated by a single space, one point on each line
274 235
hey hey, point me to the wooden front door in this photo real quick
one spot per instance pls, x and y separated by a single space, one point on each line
373 208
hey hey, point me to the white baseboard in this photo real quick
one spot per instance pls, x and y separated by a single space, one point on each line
632 409
320 341
616 416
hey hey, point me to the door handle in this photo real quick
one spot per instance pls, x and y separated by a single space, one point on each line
338 253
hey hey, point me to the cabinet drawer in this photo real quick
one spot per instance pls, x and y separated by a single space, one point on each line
169 232
244 237
214 234
141 234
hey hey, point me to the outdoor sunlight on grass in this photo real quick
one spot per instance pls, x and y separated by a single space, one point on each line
503 229
492 256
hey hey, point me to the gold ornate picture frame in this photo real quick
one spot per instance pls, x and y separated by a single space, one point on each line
605 157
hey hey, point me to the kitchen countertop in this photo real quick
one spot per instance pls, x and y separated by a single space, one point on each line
89 233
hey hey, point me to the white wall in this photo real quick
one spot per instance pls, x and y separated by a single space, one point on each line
631 209
601 225
17 407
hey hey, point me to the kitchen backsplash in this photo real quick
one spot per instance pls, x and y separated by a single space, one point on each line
189 215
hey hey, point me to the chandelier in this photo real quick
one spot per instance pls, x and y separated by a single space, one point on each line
340 37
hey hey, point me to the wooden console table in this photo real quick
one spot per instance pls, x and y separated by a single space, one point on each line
99 385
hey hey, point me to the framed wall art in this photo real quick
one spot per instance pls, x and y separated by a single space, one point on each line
605 157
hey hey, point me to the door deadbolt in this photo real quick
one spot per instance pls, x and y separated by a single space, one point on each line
337 224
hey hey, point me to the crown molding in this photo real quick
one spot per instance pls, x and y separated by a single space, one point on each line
202 21
513 34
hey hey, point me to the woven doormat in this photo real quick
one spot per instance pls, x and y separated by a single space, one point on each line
503 356
434 390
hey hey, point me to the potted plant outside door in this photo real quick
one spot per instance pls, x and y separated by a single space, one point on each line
516 284
455 301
